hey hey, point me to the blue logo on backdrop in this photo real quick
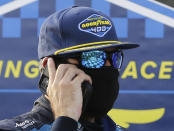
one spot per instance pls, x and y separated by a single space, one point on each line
96 25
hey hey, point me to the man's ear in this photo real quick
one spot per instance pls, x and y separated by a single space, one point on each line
43 64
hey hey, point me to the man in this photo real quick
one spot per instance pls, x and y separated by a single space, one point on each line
80 57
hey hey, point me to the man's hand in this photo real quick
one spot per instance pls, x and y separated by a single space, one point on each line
64 89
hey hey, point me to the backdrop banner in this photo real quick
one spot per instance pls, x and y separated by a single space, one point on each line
146 79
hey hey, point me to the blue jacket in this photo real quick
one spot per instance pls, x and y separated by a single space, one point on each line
41 118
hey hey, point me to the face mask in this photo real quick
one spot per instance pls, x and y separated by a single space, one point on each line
105 91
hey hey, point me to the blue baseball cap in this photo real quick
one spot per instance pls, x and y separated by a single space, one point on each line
78 29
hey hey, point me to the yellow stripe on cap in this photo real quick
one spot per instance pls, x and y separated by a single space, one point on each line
77 47
90 47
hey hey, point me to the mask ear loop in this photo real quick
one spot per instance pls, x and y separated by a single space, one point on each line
43 82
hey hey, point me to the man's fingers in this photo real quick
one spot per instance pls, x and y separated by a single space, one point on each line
71 73
51 70
62 71
82 77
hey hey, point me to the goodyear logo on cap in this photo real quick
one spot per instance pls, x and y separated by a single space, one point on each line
96 25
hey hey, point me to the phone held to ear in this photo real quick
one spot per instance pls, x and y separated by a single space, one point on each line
86 87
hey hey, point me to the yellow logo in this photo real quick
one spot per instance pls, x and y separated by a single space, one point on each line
125 117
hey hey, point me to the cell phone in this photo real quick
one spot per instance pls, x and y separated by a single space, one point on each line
86 86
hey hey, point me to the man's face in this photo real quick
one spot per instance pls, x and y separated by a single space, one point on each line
104 82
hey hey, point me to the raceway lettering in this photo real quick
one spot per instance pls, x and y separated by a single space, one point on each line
165 70
31 70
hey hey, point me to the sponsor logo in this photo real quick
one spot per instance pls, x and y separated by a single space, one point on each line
96 25
25 124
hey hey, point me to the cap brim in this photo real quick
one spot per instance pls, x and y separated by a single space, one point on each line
97 46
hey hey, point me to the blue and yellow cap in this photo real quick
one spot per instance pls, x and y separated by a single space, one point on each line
78 29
